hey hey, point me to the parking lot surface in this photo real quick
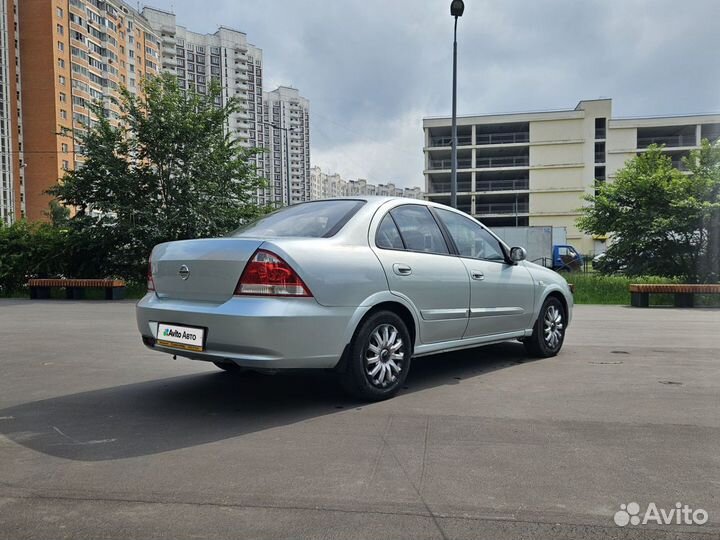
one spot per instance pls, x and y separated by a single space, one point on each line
102 438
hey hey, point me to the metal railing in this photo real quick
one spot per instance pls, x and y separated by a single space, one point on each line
502 185
501 208
447 163
444 187
502 138
464 140
667 140
504 161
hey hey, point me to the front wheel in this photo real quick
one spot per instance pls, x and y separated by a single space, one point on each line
549 330
378 358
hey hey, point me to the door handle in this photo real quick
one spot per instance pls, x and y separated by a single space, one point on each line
477 275
402 269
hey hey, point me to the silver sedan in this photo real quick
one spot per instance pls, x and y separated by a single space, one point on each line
359 285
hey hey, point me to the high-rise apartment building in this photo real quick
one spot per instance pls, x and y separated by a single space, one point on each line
225 57
324 186
12 185
73 53
534 168
287 132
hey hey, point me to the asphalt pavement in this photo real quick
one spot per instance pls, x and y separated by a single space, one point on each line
102 438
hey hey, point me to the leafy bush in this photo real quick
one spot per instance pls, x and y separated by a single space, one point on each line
30 250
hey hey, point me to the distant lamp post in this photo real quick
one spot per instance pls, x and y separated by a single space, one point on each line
288 131
457 7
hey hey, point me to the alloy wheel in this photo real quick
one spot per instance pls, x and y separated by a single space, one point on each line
384 356
553 326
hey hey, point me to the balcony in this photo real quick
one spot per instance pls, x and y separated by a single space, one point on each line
502 138
447 164
501 208
465 140
667 140
502 161
444 187
515 184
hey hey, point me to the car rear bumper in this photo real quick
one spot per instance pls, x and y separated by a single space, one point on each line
254 332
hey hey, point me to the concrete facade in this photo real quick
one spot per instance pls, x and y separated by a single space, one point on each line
534 168
323 186
286 123
226 57
12 185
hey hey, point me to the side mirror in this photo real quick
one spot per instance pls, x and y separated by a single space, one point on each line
518 254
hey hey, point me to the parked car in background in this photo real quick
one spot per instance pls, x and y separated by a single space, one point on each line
358 285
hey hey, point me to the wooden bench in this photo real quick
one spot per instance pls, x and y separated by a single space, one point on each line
75 288
684 293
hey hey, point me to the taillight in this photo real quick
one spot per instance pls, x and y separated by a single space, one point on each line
267 274
150 282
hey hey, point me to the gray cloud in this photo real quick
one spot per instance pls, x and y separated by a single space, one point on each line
372 68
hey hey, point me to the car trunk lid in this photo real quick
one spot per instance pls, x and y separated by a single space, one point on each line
204 270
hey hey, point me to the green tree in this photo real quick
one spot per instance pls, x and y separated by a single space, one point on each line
704 167
657 216
168 169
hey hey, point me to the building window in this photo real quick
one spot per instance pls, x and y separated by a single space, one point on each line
59 12
63 114
66 165
61 80
599 152
60 29
600 128
61 63
61 46
64 148
63 97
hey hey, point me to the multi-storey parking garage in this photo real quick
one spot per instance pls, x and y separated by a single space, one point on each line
534 168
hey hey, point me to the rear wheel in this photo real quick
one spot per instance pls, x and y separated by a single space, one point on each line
379 358
549 330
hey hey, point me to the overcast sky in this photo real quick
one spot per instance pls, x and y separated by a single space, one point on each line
373 68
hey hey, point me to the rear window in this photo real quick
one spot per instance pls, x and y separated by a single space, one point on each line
317 219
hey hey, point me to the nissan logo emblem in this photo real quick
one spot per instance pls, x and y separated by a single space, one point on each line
184 272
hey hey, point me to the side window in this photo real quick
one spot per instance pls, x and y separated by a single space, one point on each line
418 229
471 239
387 235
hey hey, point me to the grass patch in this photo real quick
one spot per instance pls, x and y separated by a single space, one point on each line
593 288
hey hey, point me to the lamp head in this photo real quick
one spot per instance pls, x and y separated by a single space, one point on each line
457 7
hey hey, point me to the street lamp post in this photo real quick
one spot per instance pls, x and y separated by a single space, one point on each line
456 10
287 131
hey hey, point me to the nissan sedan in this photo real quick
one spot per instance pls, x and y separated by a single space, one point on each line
358 285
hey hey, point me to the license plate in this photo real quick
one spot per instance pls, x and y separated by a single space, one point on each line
188 338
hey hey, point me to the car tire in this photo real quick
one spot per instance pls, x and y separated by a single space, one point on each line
378 358
549 330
